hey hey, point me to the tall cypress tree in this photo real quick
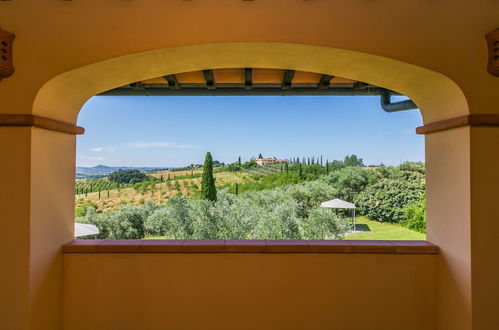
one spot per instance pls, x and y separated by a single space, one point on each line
208 189
260 156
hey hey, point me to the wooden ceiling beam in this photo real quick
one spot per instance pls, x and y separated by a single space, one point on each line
210 79
287 79
248 78
360 84
172 81
325 81
137 85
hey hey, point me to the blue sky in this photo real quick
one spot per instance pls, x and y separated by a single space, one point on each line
177 131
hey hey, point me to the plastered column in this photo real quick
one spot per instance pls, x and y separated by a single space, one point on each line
51 222
448 224
463 219
36 218
15 158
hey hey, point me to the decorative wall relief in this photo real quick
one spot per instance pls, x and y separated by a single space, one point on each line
6 67
493 43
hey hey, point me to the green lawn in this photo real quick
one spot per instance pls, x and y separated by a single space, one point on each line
382 231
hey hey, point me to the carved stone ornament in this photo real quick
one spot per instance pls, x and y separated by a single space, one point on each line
493 43
6 67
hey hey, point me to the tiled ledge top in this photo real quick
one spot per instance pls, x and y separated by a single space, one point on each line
249 246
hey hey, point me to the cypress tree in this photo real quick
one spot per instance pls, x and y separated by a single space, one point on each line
260 156
208 189
300 172
237 188
287 168
161 178
239 160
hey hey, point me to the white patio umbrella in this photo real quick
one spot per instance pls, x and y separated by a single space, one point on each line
340 204
85 229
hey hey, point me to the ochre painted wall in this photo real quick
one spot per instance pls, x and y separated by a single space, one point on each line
54 37
434 51
249 291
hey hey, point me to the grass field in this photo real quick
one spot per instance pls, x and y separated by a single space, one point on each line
384 231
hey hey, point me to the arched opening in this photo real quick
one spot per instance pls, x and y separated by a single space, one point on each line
437 96
318 169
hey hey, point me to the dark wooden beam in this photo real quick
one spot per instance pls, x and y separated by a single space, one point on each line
360 84
248 78
137 85
325 81
172 81
287 78
210 79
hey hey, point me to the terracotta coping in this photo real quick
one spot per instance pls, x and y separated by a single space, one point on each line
461 121
40 122
249 246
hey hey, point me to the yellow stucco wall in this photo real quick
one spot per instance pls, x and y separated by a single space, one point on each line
249 291
65 51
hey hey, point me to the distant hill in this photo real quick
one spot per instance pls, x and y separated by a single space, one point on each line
103 170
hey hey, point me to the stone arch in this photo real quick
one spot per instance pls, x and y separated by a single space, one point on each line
437 96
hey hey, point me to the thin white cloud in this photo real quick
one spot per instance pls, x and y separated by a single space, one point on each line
90 158
159 145
98 149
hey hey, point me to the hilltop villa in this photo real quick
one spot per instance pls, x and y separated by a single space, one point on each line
269 161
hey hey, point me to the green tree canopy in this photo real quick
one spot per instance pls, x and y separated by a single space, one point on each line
208 189
352 160
127 176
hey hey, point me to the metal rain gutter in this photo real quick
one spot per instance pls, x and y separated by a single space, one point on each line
242 92
395 106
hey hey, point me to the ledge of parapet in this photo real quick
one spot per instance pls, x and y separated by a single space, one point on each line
250 246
